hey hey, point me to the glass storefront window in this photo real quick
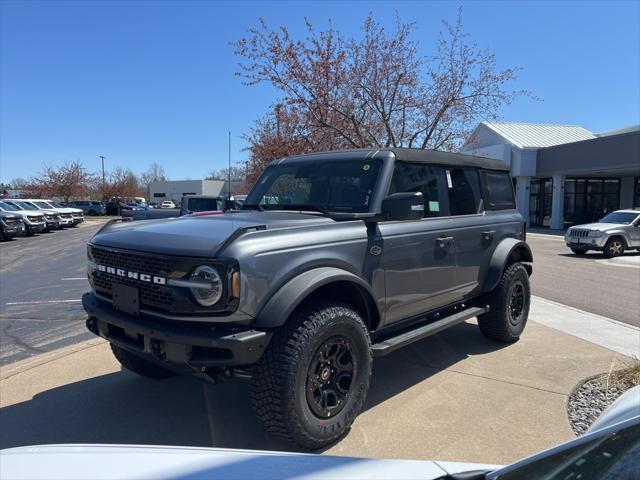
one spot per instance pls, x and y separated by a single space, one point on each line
586 200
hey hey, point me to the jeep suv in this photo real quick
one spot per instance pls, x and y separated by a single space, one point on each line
612 235
334 259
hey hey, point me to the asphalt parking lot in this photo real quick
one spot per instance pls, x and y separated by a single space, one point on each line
41 280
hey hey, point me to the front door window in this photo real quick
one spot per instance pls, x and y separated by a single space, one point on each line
541 195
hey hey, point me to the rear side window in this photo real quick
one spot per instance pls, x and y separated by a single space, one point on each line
499 191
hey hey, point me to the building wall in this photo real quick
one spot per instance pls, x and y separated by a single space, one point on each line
604 155
175 189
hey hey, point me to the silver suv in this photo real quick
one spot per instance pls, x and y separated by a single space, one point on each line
612 235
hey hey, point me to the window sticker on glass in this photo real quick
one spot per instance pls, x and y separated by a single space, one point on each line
449 183
366 167
434 206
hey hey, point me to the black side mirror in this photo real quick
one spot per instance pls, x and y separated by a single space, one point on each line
229 205
403 206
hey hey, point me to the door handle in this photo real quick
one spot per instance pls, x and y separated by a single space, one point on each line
488 234
444 241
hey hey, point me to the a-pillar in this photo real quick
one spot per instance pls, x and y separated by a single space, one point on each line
522 196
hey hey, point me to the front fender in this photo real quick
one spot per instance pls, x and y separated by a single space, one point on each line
506 249
280 306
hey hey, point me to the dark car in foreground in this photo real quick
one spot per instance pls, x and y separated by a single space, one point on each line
334 259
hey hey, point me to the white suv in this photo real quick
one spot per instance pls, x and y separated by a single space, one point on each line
70 216
612 235
34 221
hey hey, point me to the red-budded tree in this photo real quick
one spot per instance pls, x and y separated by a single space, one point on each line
371 91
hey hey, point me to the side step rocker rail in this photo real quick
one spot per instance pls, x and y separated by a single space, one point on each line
384 347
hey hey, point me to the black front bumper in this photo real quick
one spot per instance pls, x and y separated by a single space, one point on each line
180 347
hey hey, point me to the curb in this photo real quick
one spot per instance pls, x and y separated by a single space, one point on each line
22 366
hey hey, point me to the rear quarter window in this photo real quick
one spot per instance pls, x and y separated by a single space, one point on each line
498 189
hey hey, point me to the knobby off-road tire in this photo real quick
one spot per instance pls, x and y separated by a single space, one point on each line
614 247
509 306
313 379
139 365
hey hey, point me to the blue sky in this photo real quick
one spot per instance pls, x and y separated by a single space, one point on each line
154 80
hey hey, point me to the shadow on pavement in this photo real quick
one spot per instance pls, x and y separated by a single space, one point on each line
124 408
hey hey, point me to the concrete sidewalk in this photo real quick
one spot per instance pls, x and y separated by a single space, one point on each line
454 396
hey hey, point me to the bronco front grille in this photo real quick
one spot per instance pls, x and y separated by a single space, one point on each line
150 295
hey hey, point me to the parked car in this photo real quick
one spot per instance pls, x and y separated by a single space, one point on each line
11 225
334 259
607 451
190 204
34 222
89 207
52 217
612 235
167 204
71 216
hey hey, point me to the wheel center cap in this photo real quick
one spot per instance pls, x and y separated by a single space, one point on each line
325 374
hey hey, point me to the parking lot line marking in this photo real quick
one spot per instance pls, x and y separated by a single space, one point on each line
74 278
38 302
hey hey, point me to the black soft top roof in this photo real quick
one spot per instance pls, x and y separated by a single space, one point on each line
404 155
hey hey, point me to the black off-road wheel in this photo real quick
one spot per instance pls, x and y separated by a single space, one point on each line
613 248
509 306
139 365
312 381
579 251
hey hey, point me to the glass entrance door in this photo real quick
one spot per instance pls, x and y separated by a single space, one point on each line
541 195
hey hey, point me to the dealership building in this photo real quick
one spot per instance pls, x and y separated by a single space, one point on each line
174 189
564 174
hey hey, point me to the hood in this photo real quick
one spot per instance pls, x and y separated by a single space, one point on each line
603 227
26 213
137 462
195 236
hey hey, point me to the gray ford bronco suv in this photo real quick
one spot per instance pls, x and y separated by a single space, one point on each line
334 258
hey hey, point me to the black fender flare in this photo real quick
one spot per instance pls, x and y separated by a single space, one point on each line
506 249
285 300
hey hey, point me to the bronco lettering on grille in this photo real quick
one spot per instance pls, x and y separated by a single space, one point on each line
142 277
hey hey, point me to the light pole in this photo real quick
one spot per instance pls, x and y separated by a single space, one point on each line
229 171
102 157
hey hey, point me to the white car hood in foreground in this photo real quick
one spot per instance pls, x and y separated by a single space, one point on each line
71 462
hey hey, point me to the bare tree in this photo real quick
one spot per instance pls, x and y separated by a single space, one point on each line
372 91
237 174
155 173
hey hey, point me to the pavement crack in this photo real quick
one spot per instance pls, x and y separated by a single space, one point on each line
18 341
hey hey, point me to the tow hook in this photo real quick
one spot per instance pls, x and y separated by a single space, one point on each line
157 349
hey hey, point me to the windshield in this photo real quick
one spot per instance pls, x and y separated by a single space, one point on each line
619 217
204 204
42 204
8 207
25 206
612 457
333 185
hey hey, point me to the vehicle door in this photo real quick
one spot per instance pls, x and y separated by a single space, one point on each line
418 256
473 236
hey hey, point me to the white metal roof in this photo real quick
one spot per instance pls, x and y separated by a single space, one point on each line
537 135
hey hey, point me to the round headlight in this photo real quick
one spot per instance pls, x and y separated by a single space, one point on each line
210 294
